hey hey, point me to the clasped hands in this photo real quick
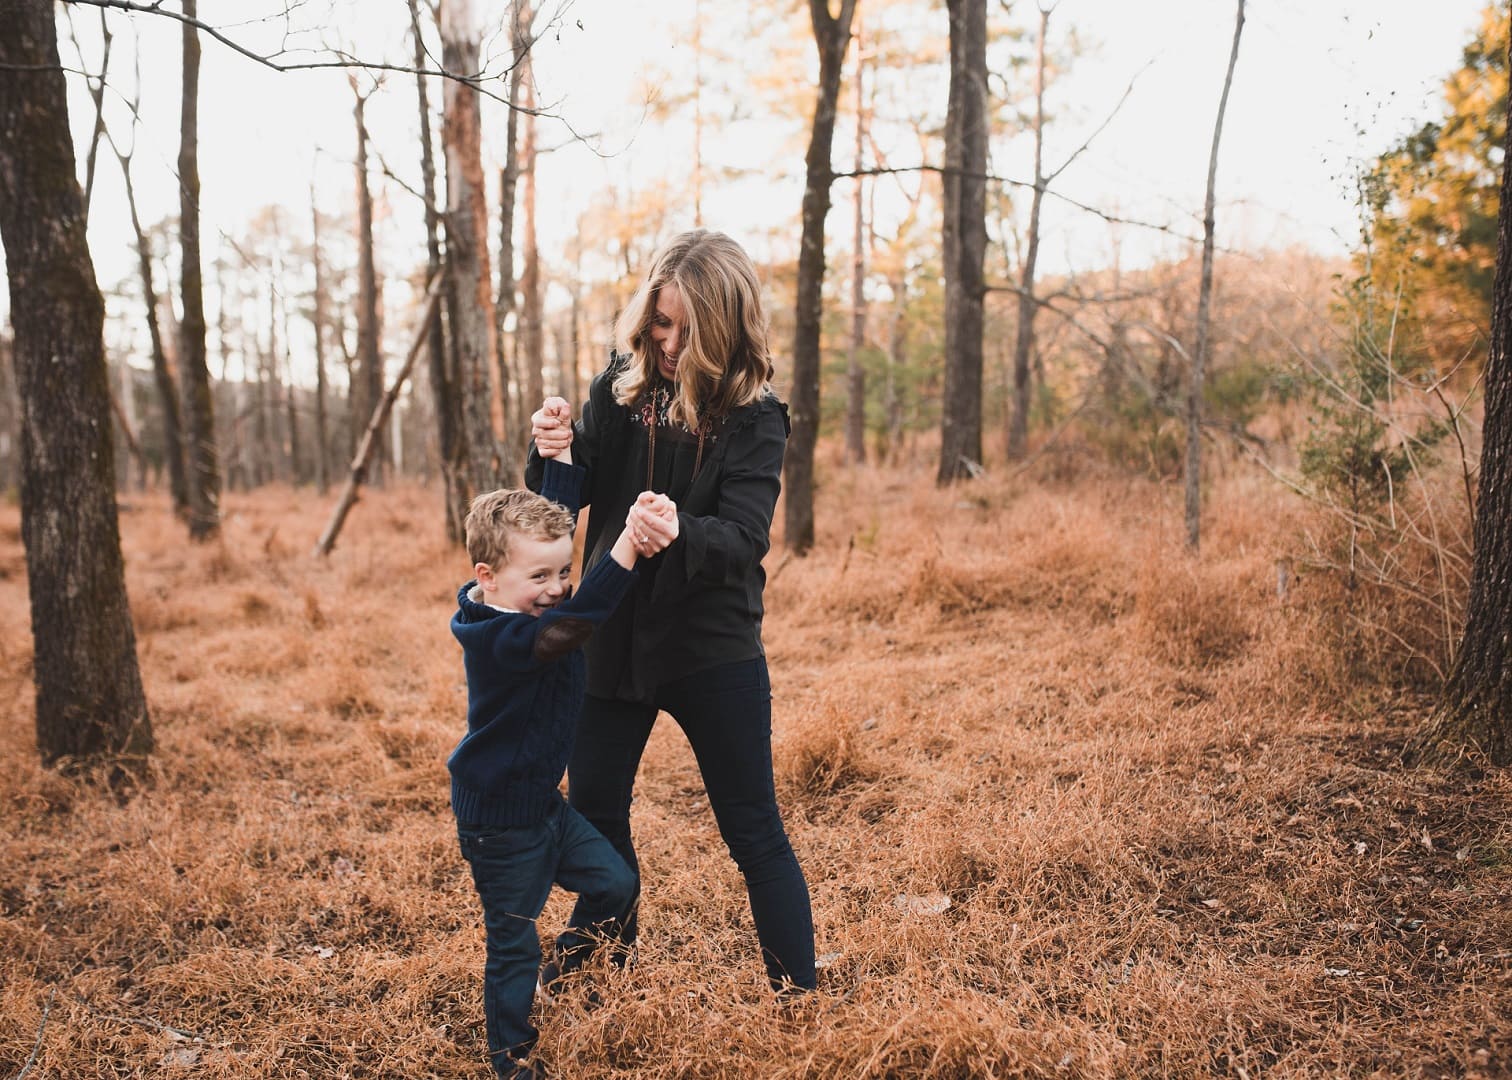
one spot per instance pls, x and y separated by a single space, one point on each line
652 520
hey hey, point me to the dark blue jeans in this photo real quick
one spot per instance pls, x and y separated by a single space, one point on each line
726 714
513 870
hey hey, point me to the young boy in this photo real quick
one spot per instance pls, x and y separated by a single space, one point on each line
521 629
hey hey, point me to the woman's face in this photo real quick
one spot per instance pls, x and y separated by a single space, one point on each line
669 329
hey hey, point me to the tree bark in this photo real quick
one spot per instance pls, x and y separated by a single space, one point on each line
369 353
964 239
162 375
1204 317
89 703
1473 717
203 465
532 338
443 382
831 36
1028 307
855 408
467 244
511 389
318 318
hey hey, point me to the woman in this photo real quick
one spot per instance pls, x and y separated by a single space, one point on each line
685 408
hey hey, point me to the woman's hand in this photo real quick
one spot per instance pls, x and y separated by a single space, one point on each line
653 523
551 428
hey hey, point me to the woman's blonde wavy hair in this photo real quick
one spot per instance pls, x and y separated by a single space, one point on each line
725 363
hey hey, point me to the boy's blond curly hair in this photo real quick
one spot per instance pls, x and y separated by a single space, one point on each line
497 515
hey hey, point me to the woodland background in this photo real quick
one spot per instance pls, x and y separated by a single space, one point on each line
1077 794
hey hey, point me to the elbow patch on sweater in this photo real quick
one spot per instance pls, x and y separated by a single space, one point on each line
560 638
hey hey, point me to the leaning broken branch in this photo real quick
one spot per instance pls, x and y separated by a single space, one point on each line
380 415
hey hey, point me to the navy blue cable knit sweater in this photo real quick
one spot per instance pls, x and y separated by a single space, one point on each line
526 677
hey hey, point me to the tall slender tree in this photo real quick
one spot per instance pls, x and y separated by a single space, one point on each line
90 703
369 386
532 338
512 395
855 405
964 239
443 380
162 375
322 451
194 369
1028 305
1204 307
831 37
467 242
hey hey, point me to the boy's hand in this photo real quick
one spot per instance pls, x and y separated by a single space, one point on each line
551 428
653 522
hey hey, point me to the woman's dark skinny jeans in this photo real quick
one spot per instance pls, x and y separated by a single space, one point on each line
726 714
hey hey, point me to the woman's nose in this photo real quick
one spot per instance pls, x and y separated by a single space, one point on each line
672 344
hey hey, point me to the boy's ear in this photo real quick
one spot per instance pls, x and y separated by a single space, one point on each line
485 575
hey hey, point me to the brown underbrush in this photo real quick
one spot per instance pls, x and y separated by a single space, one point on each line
1070 801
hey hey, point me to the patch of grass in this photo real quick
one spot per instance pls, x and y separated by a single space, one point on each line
1070 803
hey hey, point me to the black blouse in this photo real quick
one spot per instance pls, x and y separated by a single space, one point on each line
699 602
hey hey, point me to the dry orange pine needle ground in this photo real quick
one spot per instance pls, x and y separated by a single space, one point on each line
1070 802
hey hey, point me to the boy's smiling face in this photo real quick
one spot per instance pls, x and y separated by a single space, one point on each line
535 577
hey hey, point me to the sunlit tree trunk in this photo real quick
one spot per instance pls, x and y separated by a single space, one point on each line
443 382
513 404
369 386
89 702
199 408
831 36
467 243
964 239
532 338
855 407
1028 306
1204 304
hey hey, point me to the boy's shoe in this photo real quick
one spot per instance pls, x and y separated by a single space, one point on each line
554 982
526 1070
549 981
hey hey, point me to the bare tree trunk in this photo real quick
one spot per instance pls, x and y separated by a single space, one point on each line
831 36
317 317
123 405
1204 319
443 383
964 240
513 406
194 370
897 340
532 339
290 402
90 703
369 352
1473 717
162 376
467 244
262 440
855 411
1028 306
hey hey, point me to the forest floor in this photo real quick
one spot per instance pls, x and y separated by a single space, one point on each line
1070 802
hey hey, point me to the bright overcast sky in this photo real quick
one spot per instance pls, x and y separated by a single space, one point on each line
1319 86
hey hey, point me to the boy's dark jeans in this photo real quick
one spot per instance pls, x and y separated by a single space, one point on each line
726 713
513 870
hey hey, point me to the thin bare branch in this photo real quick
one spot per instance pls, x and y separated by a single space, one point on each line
41 1029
